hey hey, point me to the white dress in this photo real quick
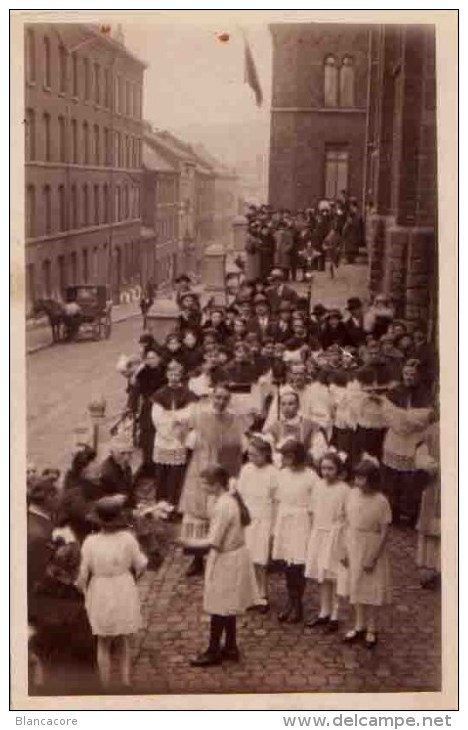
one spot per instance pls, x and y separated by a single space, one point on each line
230 584
324 546
111 595
258 487
366 515
292 528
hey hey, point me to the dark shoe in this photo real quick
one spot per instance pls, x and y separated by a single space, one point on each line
230 655
196 567
353 636
333 626
206 659
284 615
317 621
371 640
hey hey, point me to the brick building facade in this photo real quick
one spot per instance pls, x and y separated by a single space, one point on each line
401 170
318 114
83 109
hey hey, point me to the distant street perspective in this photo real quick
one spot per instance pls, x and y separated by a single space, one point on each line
233 480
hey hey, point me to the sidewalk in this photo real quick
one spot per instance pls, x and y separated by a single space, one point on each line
39 335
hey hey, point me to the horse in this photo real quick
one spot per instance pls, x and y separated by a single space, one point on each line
55 313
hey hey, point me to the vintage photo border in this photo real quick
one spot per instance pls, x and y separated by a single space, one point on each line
446 22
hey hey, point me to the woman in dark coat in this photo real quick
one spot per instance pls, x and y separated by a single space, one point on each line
150 378
334 331
79 492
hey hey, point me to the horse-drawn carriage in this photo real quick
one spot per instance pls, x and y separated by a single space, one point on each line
91 307
87 308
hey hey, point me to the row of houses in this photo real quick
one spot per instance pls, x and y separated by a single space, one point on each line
108 199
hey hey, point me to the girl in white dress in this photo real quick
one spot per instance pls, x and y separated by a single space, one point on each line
367 578
230 585
296 485
258 484
324 545
111 561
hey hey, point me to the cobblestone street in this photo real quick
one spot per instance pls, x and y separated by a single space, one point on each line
62 380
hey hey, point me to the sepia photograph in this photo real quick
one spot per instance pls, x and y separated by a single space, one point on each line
231 243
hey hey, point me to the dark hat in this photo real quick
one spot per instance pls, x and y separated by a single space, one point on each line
261 299
319 310
108 511
39 488
187 294
146 338
334 313
183 277
354 303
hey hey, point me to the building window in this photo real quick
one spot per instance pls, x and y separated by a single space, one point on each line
137 203
347 82
106 215
74 207
47 67
85 206
30 56
86 143
107 88
107 147
97 83
125 203
122 95
336 172
95 264
116 94
47 140
62 140
30 211
62 70
117 149
97 145
138 101
74 136
96 204
117 203
74 267
62 208
31 283
30 135
62 274
85 266
47 210
128 99
86 76
330 82
75 75
46 278
127 151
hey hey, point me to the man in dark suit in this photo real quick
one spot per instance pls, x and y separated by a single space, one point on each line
279 291
42 504
283 327
261 323
354 325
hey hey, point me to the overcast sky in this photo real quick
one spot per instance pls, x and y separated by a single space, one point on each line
193 78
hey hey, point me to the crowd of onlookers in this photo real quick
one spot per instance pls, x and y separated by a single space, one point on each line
283 395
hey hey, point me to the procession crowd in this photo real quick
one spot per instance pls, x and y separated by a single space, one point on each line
273 432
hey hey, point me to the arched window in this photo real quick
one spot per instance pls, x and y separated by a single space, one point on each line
86 77
74 136
85 206
347 82
106 204
47 210
30 56
86 143
62 140
30 135
96 205
97 145
62 208
47 140
30 211
46 278
85 266
97 83
330 82
75 74
62 69
46 62
74 207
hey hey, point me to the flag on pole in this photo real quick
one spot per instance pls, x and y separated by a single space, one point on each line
250 73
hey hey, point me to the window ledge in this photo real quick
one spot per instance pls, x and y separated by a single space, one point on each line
46 88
